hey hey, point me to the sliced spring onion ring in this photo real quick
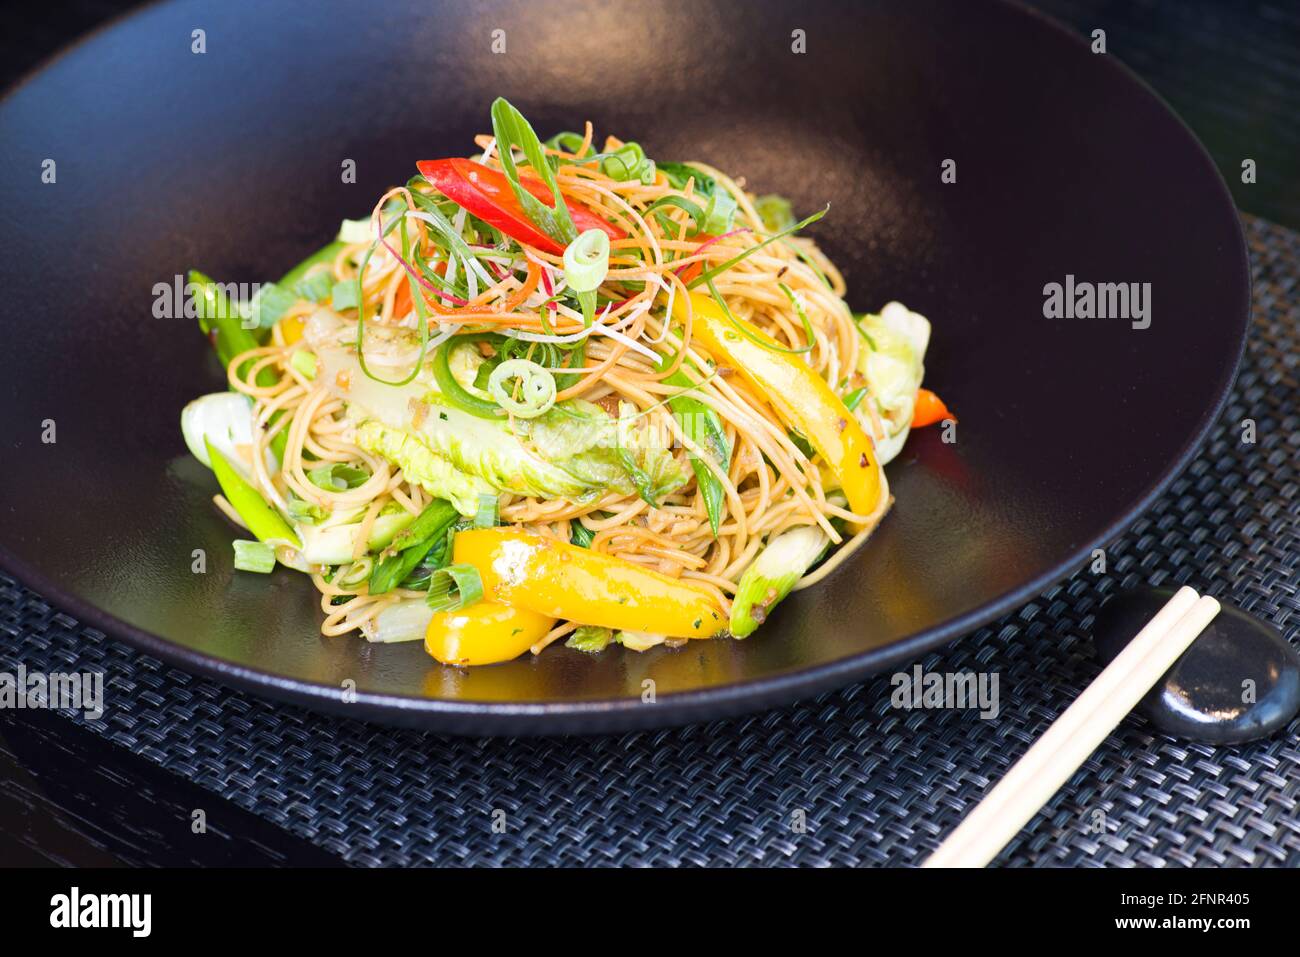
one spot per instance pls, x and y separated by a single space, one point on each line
586 261
720 214
454 587
358 572
536 388
338 477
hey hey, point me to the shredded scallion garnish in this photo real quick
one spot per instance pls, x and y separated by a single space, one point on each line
740 257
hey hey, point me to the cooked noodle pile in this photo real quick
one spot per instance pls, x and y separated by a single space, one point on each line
771 484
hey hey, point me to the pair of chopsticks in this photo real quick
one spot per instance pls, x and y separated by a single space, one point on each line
1073 736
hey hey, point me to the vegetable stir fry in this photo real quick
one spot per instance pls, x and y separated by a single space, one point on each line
557 392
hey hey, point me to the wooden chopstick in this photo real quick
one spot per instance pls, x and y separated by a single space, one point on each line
1064 746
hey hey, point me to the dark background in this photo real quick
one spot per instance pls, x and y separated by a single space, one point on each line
1230 68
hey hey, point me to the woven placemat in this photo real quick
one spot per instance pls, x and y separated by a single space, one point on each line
844 779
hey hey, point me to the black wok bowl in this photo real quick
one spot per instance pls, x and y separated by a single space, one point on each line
230 161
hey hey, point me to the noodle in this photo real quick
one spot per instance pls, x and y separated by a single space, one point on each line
769 486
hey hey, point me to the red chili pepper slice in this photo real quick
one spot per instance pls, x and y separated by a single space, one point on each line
486 193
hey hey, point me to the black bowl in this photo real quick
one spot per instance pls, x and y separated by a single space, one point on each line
230 161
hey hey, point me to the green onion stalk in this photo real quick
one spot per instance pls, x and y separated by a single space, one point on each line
779 566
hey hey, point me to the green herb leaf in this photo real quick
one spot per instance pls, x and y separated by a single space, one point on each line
568 142
679 173
645 485
580 534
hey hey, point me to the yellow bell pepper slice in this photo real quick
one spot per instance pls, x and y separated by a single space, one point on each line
291 327
484 633
799 396
526 570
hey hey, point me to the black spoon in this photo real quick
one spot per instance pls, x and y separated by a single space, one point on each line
1239 680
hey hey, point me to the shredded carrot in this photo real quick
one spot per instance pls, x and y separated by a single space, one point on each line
402 298
526 290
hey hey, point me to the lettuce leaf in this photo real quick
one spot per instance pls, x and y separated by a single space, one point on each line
435 474
574 451
892 362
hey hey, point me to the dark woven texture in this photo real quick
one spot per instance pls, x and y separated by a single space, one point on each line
876 785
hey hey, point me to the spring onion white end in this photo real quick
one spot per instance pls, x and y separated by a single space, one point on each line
224 418
334 544
773 574
351 576
405 620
